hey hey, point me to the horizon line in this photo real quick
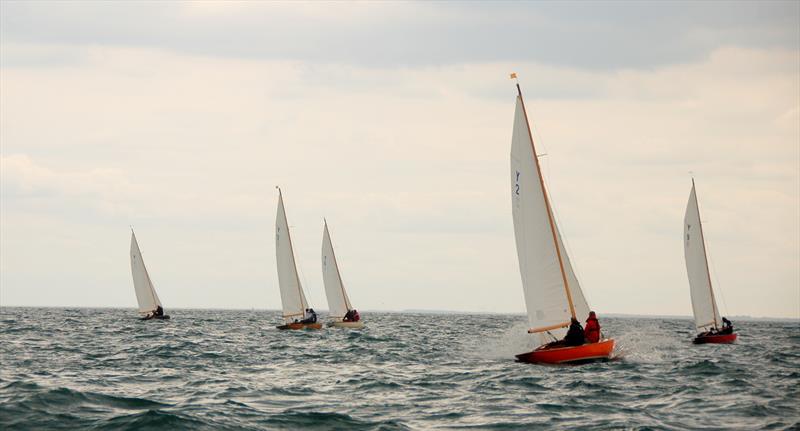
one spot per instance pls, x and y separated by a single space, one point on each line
414 311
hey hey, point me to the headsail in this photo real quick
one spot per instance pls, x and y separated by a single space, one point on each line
547 275
338 302
145 292
706 313
292 296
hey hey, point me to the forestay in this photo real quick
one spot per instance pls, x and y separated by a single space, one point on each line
338 302
542 280
145 292
706 313
292 297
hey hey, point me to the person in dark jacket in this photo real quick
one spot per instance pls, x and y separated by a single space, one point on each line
159 312
592 329
311 316
575 335
727 327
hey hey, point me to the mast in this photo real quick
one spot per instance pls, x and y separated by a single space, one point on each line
146 273
549 213
291 250
336 265
705 255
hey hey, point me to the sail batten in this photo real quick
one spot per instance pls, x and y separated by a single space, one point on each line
552 292
293 298
704 305
338 301
145 292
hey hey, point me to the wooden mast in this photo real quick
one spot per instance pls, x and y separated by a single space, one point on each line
705 255
149 281
549 217
291 250
336 265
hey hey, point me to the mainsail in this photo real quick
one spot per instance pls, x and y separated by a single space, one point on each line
552 292
145 292
706 313
292 296
338 302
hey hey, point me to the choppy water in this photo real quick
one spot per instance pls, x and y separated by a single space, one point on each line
104 369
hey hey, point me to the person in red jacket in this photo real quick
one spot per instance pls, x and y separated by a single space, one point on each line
592 329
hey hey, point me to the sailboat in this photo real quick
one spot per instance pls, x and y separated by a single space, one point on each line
553 295
292 296
338 302
707 320
149 304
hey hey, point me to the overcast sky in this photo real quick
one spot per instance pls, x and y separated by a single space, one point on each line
393 120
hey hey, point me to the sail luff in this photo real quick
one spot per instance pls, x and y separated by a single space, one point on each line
547 206
143 286
338 301
704 307
292 296
338 272
705 256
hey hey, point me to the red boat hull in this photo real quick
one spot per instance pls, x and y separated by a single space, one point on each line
715 339
565 355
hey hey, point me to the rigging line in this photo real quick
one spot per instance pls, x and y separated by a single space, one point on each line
716 282
553 207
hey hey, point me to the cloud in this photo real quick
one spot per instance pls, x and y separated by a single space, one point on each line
410 167
601 36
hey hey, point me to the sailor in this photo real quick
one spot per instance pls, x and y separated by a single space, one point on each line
727 326
575 335
592 330
348 317
356 317
159 312
310 316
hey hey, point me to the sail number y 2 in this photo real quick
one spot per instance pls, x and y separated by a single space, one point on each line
516 186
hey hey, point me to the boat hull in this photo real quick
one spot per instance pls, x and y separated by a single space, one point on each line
164 317
295 326
350 325
572 354
715 339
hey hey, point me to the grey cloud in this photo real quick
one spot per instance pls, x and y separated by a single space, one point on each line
609 35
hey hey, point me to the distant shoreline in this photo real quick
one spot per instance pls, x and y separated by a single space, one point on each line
423 311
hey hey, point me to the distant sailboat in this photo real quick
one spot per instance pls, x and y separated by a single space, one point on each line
552 293
338 302
292 296
707 320
149 304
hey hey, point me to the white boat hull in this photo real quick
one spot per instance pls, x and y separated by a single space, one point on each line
350 325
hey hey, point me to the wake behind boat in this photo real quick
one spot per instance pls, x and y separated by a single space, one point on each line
712 328
553 296
342 313
296 312
149 304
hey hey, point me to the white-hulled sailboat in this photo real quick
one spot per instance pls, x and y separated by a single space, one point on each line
707 320
149 304
342 313
292 297
552 294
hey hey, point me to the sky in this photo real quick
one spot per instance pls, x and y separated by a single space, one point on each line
393 121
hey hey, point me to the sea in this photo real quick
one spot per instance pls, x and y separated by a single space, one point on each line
80 368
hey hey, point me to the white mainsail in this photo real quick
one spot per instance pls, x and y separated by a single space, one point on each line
145 292
292 296
706 313
338 302
546 271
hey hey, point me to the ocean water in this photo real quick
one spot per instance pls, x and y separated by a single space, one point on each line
215 369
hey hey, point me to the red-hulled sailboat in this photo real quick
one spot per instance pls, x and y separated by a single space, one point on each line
712 329
552 293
